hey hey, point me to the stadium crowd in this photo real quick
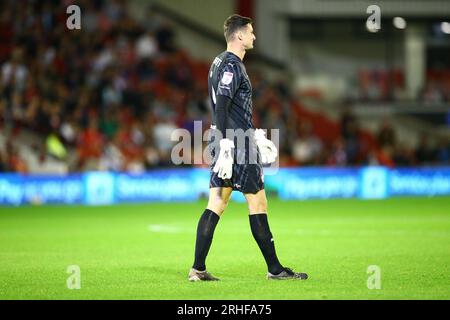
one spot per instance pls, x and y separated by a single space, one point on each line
114 91
379 85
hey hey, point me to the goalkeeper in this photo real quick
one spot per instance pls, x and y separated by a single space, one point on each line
236 166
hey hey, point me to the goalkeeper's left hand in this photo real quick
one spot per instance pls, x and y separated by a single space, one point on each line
266 147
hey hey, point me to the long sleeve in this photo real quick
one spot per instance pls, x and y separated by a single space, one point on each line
223 106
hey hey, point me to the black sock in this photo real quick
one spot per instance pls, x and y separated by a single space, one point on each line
205 232
263 236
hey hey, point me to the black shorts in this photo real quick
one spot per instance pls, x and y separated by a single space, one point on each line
247 177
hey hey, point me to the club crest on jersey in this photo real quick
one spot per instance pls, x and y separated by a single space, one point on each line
227 77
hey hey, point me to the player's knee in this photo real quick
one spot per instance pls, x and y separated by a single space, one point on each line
258 207
218 206
221 206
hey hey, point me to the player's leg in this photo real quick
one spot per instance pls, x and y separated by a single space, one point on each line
218 200
257 205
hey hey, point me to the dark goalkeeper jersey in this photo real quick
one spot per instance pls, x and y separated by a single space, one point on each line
227 76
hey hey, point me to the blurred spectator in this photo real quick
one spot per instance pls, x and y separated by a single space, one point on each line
112 158
146 46
55 147
403 156
109 124
42 164
350 134
432 93
178 73
89 144
338 156
162 133
384 156
69 130
165 37
3 165
14 73
424 153
307 147
14 161
443 151
386 134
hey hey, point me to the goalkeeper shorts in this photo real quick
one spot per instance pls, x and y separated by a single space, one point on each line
246 178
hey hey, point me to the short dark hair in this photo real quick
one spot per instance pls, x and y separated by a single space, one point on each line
233 24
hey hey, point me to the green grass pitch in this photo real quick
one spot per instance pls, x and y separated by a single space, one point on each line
145 251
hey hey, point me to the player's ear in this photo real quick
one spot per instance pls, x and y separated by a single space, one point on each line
239 35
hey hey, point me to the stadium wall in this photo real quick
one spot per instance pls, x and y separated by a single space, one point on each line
106 188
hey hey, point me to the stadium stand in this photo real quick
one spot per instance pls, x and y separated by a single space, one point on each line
107 98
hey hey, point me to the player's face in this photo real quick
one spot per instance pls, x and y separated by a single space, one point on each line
248 37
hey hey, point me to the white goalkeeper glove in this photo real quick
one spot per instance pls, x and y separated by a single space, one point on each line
266 147
224 163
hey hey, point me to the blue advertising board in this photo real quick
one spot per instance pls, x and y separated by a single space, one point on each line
106 188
